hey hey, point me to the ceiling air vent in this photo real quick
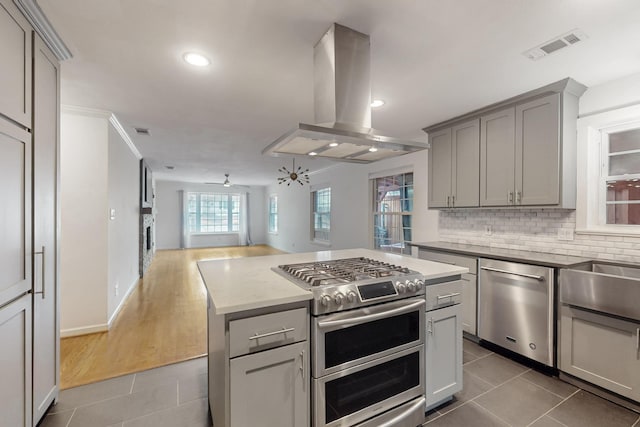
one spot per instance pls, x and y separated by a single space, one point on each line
555 44
142 131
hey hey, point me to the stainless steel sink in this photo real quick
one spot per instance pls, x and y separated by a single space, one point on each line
607 288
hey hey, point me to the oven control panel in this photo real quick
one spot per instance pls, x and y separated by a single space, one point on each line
330 299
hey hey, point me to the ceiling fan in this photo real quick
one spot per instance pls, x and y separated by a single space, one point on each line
226 183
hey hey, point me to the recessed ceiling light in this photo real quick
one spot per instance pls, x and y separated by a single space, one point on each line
313 153
377 103
196 59
333 144
373 149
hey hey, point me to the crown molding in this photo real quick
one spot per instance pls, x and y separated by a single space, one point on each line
43 27
124 135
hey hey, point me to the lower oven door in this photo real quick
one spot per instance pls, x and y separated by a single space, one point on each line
350 338
371 390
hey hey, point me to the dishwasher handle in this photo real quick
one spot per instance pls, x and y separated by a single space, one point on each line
499 270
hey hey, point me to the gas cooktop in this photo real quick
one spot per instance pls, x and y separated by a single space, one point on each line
343 284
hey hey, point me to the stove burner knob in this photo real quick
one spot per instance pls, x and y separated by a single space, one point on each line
402 288
325 300
411 286
352 297
338 298
419 284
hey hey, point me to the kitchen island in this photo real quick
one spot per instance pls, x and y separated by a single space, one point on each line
259 334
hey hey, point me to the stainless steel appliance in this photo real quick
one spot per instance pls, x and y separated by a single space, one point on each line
515 308
367 338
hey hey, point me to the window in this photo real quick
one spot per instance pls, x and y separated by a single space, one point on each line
620 177
321 214
273 213
213 213
392 207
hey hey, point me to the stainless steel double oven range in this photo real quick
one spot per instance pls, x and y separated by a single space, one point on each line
367 333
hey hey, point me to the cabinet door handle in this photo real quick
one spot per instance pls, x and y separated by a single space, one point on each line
455 294
42 252
430 326
448 201
453 201
511 197
269 334
519 197
302 363
638 339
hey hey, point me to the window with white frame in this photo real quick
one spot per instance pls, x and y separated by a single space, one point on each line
321 214
392 207
213 212
273 213
620 175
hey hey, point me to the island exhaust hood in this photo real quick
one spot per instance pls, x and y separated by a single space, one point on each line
342 100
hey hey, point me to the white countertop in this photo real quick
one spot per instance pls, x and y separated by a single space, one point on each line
240 284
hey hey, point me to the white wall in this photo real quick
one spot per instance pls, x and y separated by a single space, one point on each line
351 205
611 95
169 210
124 229
84 221
98 171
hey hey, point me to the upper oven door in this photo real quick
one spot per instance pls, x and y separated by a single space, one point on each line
346 339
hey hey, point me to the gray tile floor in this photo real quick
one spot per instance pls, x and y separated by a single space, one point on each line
497 392
500 392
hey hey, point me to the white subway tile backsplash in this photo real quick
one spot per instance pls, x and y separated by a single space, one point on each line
533 230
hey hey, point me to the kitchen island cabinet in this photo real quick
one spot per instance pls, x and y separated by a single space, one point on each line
443 355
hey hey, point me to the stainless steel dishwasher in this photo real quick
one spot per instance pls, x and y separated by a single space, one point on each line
515 308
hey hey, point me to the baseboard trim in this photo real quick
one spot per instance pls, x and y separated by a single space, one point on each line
122 302
83 330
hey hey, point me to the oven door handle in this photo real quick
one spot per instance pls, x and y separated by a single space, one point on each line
408 412
371 317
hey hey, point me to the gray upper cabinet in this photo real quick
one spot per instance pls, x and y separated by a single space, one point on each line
497 153
440 169
527 151
538 152
15 78
453 166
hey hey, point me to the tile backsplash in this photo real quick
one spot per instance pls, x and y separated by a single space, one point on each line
533 230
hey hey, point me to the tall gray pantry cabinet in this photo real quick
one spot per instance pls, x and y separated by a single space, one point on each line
29 218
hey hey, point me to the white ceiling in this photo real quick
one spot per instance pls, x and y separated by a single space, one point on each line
431 60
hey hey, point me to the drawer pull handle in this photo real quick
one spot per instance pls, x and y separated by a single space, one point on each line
269 334
530 276
455 294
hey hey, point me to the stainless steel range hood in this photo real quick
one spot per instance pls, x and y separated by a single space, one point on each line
342 99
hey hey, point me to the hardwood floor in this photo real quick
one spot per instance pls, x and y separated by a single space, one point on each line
163 321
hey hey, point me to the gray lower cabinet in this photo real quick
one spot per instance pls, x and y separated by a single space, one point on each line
601 349
15 369
469 284
271 388
259 367
443 355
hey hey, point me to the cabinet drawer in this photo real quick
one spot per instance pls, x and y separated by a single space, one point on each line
447 258
270 330
444 294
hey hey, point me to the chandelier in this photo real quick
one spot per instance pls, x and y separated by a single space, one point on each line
295 175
